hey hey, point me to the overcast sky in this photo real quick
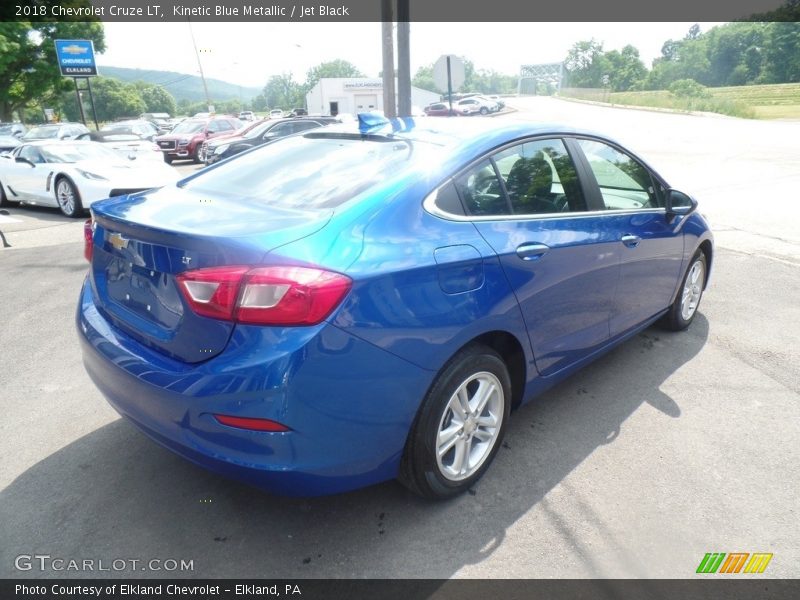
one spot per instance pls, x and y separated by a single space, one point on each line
249 53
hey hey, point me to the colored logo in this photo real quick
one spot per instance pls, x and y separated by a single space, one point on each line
117 241
75 49
735 562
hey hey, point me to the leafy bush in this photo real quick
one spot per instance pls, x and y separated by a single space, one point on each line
688 88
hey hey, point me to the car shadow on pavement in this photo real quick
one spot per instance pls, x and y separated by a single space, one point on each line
113 494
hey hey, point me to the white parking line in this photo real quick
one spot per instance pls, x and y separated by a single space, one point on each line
7 219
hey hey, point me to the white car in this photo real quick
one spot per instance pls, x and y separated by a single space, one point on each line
127 145
276 113
73 175
470 106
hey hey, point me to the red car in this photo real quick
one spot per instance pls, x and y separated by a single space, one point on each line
186 140
440 109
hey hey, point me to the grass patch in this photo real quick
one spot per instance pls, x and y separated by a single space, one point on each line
776 101
664 99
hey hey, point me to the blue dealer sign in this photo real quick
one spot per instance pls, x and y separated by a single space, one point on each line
76 58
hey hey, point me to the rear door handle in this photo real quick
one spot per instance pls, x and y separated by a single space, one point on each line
532 251
630 240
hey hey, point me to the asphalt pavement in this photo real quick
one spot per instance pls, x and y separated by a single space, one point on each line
669 447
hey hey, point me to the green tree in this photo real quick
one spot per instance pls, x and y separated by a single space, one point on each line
333 68
782 52
157 99
259 103
626 70
113 99
586 64
423 79
28 68
283 92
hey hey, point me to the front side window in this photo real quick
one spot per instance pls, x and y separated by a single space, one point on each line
624 183
32 154
540 178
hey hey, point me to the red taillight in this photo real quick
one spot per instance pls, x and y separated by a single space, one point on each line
88 244
212 292
252 424
264 295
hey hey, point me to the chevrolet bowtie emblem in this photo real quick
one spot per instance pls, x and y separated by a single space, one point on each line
118 241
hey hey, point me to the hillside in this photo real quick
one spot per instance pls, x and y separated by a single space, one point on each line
183 86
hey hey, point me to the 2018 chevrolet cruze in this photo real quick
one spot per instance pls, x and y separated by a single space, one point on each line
361 303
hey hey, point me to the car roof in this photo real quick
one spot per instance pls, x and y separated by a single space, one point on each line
463 137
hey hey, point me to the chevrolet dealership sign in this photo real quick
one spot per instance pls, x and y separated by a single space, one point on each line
76 58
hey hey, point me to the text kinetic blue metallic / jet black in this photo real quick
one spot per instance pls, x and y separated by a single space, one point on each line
342 307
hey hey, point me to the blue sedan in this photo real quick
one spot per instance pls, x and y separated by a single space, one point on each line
369 302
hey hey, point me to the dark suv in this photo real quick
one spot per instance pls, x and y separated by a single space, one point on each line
186 140
266 131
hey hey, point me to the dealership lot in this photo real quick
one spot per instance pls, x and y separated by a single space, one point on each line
669 447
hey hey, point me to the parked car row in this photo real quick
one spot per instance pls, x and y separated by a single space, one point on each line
186 140
260 133
474 104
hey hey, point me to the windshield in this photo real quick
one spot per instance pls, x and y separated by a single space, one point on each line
189 127
256 131
42 133
5 129
306 171
70 153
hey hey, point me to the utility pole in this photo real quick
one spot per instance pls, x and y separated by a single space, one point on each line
200 66
403 59
387 19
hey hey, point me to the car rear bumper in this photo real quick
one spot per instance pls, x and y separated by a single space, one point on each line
349 405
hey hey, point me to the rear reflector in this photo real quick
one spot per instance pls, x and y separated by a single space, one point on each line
276 295
251 424
88 244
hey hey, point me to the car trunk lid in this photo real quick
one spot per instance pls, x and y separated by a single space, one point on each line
136 259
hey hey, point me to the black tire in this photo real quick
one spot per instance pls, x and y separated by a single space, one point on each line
196 154
421 470
168 159
73 209
484 110
4 201
678 319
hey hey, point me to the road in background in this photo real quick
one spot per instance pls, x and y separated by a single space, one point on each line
669 447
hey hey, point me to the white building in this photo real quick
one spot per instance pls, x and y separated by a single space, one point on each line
352 95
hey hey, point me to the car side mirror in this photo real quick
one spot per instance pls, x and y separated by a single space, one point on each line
680 204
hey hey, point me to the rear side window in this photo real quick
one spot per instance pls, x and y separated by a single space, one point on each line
481 191
307 172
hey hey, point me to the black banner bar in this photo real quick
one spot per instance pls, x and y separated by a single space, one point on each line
711 588
337 11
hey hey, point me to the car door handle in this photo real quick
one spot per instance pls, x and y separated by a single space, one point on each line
630 240
532 251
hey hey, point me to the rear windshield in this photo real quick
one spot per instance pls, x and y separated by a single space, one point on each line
309 171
